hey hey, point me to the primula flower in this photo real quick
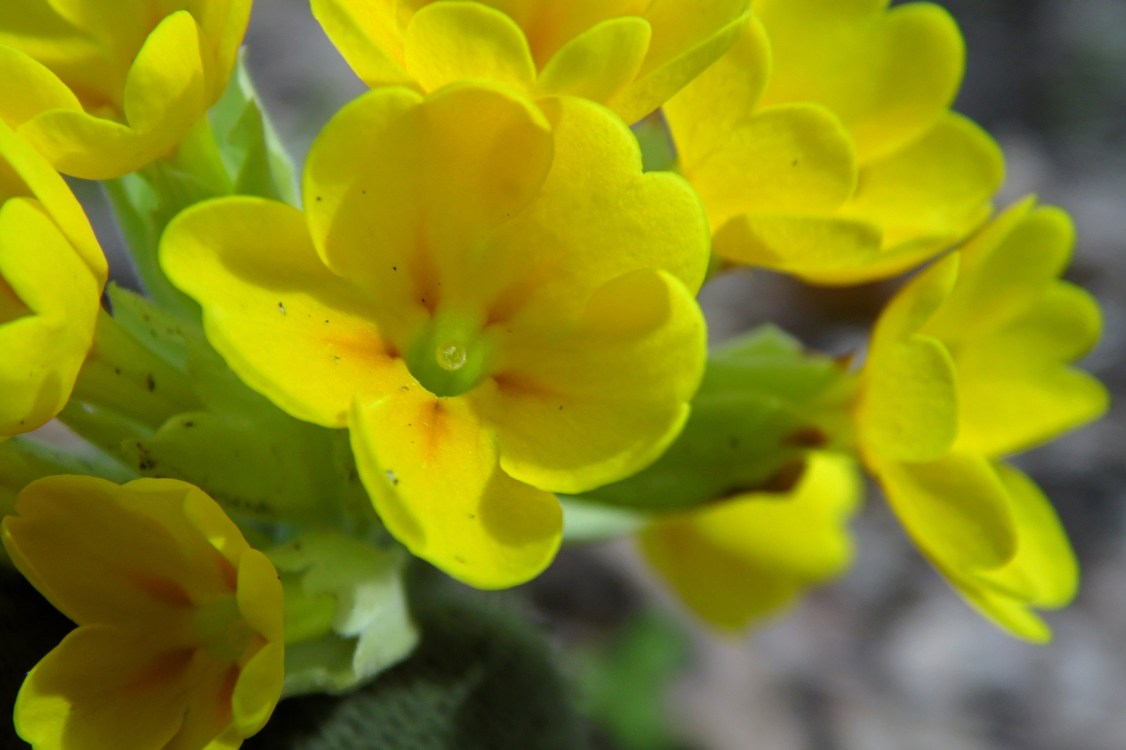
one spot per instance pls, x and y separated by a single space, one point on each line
746 557
631 55
52 271
492 297
179 638
969 364
822 145
104 87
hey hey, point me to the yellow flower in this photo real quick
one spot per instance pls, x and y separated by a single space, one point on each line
746 557
631 55
969 364
51 276
492 297
179 638
822 144
103 87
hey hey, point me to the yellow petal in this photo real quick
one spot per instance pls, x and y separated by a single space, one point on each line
743 558
52 302
719 100
260 595
888 74
223 24
1018 390
598 63
165 93
792 159
600 400
687 37
30 88
103 687
368 37
547 261
30 175
258 688
1044 573
286 325
450 42
956 509
937 187
430 467
909 410
916 304
128 560
430 181
1008 268
819 249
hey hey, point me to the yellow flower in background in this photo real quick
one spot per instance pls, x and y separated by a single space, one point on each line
968 364
104 87
491 296
630 55
52 271
822 144
179 638
749 556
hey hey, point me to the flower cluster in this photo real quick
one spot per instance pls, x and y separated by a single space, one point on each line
484 299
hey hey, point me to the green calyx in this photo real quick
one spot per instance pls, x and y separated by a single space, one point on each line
450 355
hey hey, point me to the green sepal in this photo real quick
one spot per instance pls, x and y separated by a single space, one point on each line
249 146
764 402
347 618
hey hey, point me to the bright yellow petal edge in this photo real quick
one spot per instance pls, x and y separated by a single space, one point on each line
466 324
627 55
52 272
1009 329
179 638
823 147
112 94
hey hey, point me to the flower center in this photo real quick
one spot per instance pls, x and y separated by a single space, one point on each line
450 355
222 629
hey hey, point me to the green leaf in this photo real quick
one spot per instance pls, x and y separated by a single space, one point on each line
764 403
248 144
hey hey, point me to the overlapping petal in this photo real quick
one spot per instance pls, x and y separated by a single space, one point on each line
822 146
117 87
748 556
492 297
1006 330
51 276
177 616
631 56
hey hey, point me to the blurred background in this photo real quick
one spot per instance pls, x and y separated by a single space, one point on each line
888 658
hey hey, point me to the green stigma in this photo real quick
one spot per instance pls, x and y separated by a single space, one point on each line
449 356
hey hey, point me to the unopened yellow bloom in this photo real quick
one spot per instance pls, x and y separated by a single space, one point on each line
749 556
971 363
51 276
491 296
631 55
103 87
823 146
179 638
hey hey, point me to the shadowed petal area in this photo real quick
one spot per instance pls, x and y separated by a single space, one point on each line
291 329
430 466
888 74
1043 574
955 508
592 403
450 42
424 182
49 301
105 687
748 556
